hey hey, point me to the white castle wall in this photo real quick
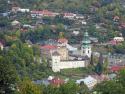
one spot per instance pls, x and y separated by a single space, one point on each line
57 66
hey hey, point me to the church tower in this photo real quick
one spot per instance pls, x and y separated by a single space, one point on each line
86 46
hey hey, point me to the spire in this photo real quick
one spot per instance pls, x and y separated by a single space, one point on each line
86 39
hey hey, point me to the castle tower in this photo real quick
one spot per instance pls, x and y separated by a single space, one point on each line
56 62
86 46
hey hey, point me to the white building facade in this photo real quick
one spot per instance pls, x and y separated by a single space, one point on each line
57 64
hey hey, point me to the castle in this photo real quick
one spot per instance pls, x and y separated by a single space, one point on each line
59 62
62 55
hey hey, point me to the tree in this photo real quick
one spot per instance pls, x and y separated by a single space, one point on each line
8 76
91 61
69 88
99 66
61 34
122 77
109 87
83 89
28 87
105 65
51 90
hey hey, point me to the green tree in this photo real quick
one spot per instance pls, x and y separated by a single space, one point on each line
105 65
109 87
122 77
99 66
83 89
28 87
69 88
8 76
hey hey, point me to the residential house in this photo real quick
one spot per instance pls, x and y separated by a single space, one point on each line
75 32
43 13
15 9
62 42
116 68
15 24
89 81
113 42
57 81
23 10
18 9
69 15
118 39
79 16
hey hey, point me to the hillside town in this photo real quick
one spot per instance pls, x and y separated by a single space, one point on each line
62 47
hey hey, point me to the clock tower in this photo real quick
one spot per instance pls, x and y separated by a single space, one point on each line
86 46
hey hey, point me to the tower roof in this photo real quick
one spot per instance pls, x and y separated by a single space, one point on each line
86 34
86 39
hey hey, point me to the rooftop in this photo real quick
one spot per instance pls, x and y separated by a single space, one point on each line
56 81
49 47
62 40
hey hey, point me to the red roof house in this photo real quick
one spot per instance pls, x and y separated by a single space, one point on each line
69 15
112 42
62 42
49 47
116 68
44 13
56 81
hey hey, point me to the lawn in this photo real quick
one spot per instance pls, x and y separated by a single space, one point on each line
75 73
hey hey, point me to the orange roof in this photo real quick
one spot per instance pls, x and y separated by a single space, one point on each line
62 40
49 47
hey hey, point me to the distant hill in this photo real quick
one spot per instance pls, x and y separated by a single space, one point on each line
58 5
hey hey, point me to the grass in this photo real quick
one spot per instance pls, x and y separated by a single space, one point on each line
75 73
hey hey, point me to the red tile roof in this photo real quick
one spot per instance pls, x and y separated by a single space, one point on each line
112 42
68 14
44 12
49 47
62 40
57 81
116 68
